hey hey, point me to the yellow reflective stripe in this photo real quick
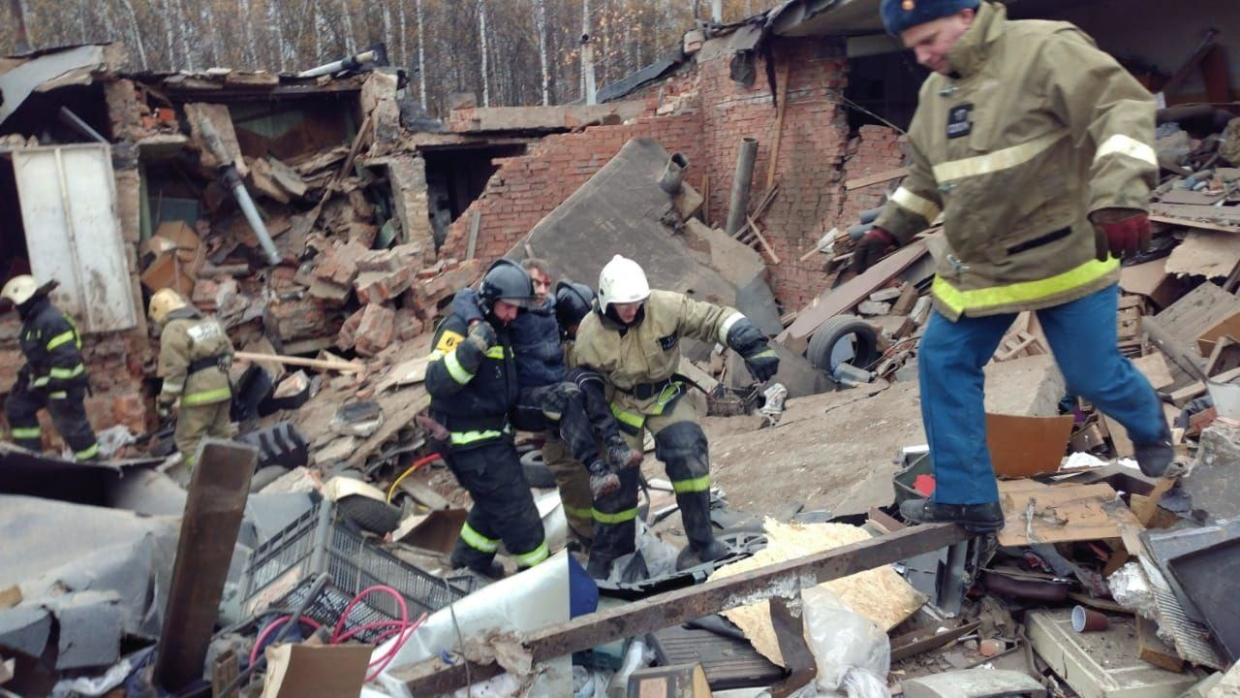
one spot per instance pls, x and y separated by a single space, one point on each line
27 432
172 388
436 355
58 395
534 556
67 373
455 369
496 352
62 338
40 381
914 203
697 484
960 301
617 518
997 161
632 419
87 453
669 393
463 438
207 396
768 352
726 327
1119 144
579 512
478 541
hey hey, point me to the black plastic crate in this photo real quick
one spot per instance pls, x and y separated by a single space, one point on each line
282 570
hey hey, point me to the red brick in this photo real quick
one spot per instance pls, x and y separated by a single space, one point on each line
376 329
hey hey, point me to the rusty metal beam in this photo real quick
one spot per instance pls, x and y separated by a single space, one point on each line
784 580
218 491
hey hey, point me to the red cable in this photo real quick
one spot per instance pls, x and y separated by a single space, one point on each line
272 626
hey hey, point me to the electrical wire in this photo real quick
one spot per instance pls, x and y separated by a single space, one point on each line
416 464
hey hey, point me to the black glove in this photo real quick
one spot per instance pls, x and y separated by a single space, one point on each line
763 364
872 246
471 352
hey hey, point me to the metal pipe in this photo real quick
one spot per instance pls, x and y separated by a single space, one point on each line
739 208
587 67
674 173
75 122
349 63
232 180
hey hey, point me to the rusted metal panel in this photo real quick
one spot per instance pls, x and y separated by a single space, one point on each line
68 205
784 580
217 495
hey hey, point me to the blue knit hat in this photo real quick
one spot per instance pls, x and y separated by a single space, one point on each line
899 15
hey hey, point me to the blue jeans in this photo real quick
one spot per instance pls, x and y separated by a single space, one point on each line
1082 335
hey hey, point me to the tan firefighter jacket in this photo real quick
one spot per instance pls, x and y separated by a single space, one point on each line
1037 129
194 352
639 364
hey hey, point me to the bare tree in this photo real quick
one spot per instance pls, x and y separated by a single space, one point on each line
349 46
482 43
540 17
421 55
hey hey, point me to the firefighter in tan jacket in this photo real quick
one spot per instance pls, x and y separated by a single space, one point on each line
1035 147
194 355
632 339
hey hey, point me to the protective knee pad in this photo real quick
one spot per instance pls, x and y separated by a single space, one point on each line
683 446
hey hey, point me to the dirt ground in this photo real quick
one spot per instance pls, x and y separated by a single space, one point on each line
834 451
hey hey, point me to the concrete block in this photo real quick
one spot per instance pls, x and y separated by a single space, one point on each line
885 295
974 683
1031 386
873 308
1102 664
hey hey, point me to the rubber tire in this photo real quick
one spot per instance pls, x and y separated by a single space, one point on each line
266 476
836 329
537 474
370 514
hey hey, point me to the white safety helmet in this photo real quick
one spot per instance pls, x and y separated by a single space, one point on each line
20 289
622 281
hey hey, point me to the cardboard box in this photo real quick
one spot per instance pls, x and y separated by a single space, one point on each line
1026 446
1229 327
324 671
179 257
1152 281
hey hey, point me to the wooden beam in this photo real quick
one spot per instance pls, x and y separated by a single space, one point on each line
753 226
217 494
342 367
785 580
1200 225
875 178
779 123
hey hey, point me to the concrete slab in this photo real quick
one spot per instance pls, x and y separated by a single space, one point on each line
974 683
1101 664
1031 386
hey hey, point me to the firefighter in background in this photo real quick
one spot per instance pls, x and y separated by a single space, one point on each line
54 375
632 339
194 356
472 380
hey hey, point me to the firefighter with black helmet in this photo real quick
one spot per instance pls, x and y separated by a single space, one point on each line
54 376
194 356
472 380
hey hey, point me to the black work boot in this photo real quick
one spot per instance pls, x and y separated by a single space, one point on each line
620 455
1156 459
603 482
975 518
599 568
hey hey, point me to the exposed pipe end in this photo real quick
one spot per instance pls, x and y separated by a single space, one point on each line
674 173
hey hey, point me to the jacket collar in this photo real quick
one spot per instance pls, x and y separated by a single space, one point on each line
971 51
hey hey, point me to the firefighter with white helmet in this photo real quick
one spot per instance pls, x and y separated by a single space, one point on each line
632 338
54 376
194 356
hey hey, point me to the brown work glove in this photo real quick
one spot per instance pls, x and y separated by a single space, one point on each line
872 246
1120 232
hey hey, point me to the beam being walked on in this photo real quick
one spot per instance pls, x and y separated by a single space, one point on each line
784 580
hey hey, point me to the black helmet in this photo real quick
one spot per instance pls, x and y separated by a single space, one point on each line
506 281
573 301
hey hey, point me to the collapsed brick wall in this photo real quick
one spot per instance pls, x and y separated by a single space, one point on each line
710 114
875 149
527 188
811 150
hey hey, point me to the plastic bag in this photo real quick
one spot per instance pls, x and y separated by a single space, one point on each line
853 654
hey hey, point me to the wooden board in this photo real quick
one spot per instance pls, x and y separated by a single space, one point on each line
1202 225
880 595
1061 513
1205 253
840 300
1217 214
876 178
1154 367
